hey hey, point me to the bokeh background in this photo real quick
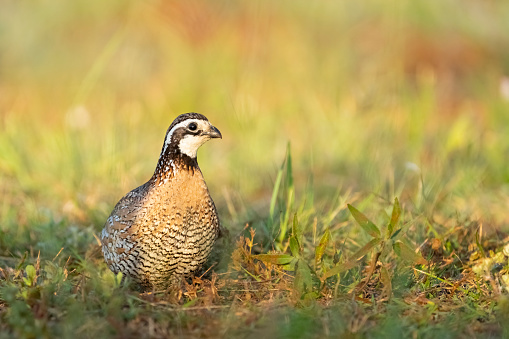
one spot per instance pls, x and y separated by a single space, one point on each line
375 98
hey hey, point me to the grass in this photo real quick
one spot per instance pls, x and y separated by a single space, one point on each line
362 173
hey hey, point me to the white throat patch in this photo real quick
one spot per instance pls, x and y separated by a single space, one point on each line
190 143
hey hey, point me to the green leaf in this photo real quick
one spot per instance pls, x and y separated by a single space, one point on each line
396 213
406 253
291 266
303 282
367 225
340 268
357 259
276 259
294 246
394 236
31 275
320 249
30 270
386 280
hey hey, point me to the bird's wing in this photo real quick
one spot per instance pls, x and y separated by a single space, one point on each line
123 217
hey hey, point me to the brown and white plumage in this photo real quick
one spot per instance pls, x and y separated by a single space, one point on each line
166 228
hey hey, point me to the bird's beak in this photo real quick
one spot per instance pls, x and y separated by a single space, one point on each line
213 132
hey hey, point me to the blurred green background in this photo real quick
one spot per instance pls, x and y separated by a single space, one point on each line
376 98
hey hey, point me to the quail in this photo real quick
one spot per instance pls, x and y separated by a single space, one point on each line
166 228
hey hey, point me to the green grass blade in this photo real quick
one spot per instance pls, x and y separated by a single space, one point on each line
366 248
252 275
275 192
190 303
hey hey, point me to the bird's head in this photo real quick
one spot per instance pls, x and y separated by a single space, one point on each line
187 133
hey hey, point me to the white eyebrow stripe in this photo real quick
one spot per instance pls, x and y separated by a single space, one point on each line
179 125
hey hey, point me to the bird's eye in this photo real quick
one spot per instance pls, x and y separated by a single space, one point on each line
192 126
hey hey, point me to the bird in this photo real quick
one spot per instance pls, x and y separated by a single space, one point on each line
165 229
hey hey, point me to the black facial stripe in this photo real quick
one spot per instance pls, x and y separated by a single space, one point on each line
178 135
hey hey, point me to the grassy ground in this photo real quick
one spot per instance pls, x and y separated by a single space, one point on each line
362 174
